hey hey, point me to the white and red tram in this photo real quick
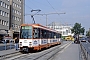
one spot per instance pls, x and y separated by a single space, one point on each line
36 37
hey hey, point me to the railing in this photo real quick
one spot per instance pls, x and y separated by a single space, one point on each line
85 49
6 46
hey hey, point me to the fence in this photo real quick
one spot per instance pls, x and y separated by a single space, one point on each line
6 46
85 49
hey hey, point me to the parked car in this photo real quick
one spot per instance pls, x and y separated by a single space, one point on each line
1 41
8 40
5 41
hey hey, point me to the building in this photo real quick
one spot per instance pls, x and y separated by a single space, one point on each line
64 29
11 16
4 17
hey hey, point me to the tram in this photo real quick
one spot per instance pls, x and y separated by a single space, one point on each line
37 37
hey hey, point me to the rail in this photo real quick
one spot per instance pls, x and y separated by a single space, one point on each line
85 49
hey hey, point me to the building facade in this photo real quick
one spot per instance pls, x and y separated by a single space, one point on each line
65 30
4 17
11 16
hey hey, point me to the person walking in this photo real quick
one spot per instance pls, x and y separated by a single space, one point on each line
16 43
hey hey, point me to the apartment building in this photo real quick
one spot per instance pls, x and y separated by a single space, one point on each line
11 16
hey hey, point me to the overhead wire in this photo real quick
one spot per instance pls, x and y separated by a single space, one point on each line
52 6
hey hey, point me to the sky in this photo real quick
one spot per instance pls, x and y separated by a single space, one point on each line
75 11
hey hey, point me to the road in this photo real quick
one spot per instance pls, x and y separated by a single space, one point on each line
72 52
66 51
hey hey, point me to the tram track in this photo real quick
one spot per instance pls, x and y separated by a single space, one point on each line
45 55
9 55
51 53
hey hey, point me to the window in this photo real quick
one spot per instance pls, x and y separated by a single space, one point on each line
8 6
26 32
16 26
3 13
15 4
20 13
18 18
19 7
7 14
15 18
7 23
0 12
8 0
1 3
0 21
12 25
20 1
15 11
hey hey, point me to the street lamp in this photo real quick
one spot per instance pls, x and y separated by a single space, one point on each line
38 10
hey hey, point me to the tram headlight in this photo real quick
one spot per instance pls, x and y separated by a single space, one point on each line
20 43
30 43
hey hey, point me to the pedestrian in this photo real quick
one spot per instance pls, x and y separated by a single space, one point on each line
16 43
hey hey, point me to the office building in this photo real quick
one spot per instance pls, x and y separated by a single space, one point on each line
11 16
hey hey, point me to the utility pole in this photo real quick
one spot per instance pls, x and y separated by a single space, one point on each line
47 15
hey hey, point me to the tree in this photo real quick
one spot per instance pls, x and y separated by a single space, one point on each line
77 30
88 33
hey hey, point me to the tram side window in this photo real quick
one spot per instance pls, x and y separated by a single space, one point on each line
36 33
43 33
50 34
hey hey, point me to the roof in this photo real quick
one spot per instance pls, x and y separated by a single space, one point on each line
40 26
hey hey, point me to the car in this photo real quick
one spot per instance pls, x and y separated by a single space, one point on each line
83 39
1 41
5 41
88 39
8 40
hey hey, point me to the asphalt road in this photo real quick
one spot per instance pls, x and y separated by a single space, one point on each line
72 52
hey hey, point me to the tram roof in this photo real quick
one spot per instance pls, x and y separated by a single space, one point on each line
40 26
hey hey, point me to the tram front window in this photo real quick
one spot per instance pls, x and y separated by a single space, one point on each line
26 32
